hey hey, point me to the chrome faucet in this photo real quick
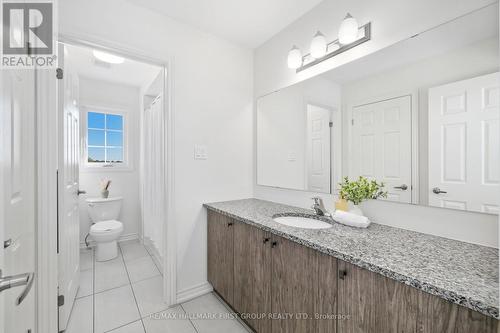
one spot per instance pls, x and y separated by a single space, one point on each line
319 207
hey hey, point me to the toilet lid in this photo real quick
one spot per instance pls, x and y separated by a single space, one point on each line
104 226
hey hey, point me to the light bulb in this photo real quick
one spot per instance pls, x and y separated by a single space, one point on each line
318 45
294 58
348 31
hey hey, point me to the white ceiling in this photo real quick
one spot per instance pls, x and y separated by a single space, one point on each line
130 72
248 23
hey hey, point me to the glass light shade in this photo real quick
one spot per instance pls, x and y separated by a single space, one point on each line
108 57
294 58
348 31
318 45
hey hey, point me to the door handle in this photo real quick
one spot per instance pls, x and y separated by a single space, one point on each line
437 190
403 187
81 192
18 280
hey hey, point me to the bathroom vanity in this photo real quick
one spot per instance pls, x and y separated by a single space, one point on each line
343 279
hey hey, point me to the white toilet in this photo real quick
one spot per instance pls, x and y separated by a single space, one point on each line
106 228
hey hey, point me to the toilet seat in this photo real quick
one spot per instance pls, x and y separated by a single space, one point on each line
108 226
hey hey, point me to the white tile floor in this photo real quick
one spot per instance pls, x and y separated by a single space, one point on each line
123 295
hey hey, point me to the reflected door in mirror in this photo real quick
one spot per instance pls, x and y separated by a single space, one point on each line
318 149
464 161
381 146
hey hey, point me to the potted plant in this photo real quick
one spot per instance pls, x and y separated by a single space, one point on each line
359 190
105 188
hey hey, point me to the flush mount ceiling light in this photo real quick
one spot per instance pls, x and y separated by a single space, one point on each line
318 45
294 58
348 31
350 35
108 57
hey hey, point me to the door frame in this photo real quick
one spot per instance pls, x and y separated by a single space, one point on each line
414 116
46 103
47 312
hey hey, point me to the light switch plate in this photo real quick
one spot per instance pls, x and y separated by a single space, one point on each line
200 152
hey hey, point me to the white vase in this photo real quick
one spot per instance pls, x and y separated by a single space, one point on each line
355 209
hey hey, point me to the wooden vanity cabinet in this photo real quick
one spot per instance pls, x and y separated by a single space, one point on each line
220 254
259 273
374 303
436 315
252 276
304 284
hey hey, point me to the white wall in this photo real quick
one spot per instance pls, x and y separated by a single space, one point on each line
124 183
212 104
392 21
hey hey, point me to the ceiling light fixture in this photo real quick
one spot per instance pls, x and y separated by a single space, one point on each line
350 35
108 57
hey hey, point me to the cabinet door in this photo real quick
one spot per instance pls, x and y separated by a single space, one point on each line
437 315
294 287
326 305
374 303
252 276
220 254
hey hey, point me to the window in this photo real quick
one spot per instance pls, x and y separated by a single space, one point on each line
105 139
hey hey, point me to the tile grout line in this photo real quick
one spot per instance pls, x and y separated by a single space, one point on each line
189 318
152 258
121 326
93 290
238 319
131 287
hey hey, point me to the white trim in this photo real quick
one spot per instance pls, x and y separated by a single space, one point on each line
123 238
170 230
46 229
170 258
194 292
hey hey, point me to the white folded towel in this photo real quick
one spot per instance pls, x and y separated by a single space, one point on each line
351 219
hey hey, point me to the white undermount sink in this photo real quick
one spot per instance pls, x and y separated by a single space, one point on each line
302 222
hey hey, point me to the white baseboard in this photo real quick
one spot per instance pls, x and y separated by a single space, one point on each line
123 238
193 292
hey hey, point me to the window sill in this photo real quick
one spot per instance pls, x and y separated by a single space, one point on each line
106 169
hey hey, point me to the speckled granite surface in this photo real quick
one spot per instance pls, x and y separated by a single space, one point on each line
462 273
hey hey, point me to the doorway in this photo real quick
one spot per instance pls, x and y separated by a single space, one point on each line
103 158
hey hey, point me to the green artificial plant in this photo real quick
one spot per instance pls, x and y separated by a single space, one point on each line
361 189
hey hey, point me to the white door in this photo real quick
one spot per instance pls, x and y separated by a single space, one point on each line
381 145
318 149
68 191
17 195
464 160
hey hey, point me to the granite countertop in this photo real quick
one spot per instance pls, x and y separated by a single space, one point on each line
462 273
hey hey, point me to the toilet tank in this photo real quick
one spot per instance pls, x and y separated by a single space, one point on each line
101 209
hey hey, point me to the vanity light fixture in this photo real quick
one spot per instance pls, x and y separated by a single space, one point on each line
348 31
318 45
108 57
294 58
350 35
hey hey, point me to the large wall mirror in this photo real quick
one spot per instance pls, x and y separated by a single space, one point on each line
421 116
